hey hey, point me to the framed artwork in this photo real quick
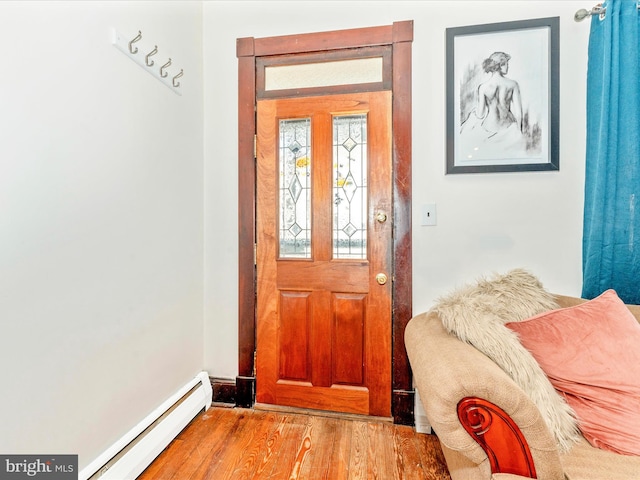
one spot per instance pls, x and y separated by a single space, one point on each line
503 97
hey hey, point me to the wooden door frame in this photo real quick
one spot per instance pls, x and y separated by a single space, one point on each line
249 50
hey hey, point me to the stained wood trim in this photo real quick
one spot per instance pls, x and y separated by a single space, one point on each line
498 435
245 391
223 390
246 207
402 390
334 40
400 36
321 413
403 407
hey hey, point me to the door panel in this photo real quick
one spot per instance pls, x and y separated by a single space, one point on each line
323 319
348 348
294 335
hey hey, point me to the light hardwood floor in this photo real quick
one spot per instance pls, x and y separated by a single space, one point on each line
247 444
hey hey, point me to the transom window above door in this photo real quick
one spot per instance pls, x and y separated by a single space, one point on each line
318 73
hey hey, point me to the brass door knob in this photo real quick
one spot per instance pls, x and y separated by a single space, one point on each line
381 278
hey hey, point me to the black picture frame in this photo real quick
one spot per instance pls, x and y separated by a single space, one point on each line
488 69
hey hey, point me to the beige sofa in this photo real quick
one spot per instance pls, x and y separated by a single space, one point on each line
502 435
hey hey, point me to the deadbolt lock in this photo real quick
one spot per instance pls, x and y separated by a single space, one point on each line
381 217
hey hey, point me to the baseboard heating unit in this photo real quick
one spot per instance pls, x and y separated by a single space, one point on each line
133 453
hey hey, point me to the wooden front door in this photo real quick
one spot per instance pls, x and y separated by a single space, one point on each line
324 249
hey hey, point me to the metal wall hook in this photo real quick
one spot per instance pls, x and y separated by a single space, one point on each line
152 52
177 84
133 49
163 74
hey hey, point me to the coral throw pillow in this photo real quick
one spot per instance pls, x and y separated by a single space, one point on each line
591 354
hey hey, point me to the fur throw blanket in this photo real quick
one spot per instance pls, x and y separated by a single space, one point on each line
476 314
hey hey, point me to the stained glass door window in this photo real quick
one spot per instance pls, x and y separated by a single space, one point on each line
295 188
350 187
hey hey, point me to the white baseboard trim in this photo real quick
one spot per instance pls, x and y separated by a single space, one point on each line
421 421
134 452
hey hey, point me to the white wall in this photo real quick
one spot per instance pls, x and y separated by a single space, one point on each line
486 222
101 221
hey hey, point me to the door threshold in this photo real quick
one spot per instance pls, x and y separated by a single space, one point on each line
320 413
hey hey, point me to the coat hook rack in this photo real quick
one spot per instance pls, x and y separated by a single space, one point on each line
134 53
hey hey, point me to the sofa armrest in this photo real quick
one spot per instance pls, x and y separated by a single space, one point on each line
498 435
447 370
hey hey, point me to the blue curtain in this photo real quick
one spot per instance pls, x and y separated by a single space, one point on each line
611 236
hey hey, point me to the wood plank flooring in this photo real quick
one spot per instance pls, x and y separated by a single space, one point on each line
248 444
